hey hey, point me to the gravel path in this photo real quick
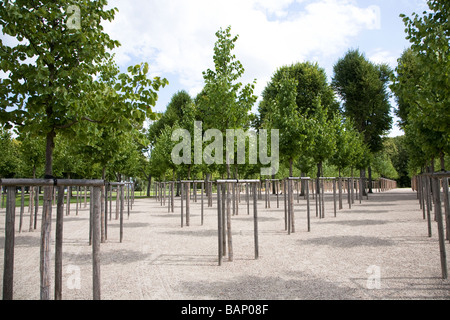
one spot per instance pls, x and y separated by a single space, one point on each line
377 250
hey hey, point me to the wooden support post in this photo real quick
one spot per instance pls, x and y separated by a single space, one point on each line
219 224
8 265
446 207
128 199
334 197
428 202
322 190
182 196
188 204
122 205
349 194
438 213
229 234
68 202
22 207
173 196
308 212
278 192
255 222
106 187
202 206
59 243
45 256
96 243
36 207
285 206
289 216
224 225
247 198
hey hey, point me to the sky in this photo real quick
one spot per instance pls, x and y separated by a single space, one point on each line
176 37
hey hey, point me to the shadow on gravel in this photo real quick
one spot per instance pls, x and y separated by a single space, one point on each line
267 288
356 223
349 241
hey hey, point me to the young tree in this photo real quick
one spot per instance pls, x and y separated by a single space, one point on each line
225 103
51 81
299 100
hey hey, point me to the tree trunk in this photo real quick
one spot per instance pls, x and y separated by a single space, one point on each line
45 246
442 160
291 171
149 185
369 169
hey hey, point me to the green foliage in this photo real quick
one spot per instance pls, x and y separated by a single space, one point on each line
32 156
9 149
363 88
429 35
311 85
225 103
284 115
421 85
63 80
349 144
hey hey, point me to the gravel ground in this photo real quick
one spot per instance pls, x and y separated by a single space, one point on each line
379 249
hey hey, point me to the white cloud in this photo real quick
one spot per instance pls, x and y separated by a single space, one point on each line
380 56
177 36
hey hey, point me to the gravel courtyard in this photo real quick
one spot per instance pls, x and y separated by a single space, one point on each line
379 249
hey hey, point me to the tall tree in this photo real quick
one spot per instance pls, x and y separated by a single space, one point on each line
311 84
363 86
428 92
225 102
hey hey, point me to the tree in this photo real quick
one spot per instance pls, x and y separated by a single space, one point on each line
422 79
408 76
51 80
311 84
9 150
225 103
429 35
349 144
290 100
294 126
32 155
324 129
362 86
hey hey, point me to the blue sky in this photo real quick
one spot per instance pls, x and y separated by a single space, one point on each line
177 37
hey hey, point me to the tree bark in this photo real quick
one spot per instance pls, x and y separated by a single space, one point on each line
45 248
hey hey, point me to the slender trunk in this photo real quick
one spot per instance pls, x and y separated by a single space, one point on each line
102 208
369 169
45 246
291 163
442 160
149 184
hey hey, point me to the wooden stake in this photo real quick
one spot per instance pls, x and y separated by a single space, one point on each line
22 207
438 213
255 222
59 243
96 242
219 224
45 255
8 266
